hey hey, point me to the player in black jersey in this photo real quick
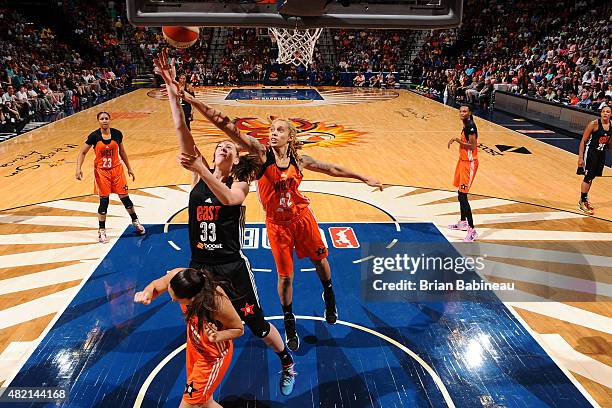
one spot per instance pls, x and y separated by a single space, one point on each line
592 155
216 223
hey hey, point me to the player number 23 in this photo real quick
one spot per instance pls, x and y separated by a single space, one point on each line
107 162
209 232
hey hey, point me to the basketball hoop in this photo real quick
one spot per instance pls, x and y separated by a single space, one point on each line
295 46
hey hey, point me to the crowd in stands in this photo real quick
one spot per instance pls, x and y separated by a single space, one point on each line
555 51
236 63
372 55
145 42
369 51
44 77
239 63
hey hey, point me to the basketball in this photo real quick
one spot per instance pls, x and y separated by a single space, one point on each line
181 37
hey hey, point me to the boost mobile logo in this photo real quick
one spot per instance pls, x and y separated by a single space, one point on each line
209 247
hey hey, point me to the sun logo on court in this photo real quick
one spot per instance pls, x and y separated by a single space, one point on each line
309 133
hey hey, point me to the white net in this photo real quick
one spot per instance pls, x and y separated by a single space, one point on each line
295 46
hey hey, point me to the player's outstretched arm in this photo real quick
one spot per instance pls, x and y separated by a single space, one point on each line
225 124
166 69
334 170
155 288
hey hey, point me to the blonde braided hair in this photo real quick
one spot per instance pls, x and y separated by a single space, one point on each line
294 144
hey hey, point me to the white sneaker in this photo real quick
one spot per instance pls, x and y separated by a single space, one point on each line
140 230
102 236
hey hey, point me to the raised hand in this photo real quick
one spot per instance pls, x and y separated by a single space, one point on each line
192 162
165 68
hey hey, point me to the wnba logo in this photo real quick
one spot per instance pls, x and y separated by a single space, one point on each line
343 237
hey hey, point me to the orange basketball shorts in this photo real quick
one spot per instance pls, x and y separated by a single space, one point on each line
107 181
302 234
204 373
464 174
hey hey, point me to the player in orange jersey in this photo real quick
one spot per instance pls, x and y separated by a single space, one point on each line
212 323
108 171
466 171
289 220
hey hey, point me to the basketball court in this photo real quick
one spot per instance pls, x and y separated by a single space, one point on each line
67 317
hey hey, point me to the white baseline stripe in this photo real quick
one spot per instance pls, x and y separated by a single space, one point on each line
535 254
550 279
577 362
36 308
45 278
66 237
567 313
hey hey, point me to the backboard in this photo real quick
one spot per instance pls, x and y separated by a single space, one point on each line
381 14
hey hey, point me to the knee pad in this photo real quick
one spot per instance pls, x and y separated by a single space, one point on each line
103 208
462 197
260 328
127 203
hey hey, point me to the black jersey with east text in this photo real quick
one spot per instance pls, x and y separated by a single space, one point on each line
215 230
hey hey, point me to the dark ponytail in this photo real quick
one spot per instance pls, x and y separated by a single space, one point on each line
247 168
199 286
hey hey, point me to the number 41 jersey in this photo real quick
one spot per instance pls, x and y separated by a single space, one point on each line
215 230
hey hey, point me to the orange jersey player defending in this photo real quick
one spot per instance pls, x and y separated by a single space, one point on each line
289 220
109 176
212 323
466 171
